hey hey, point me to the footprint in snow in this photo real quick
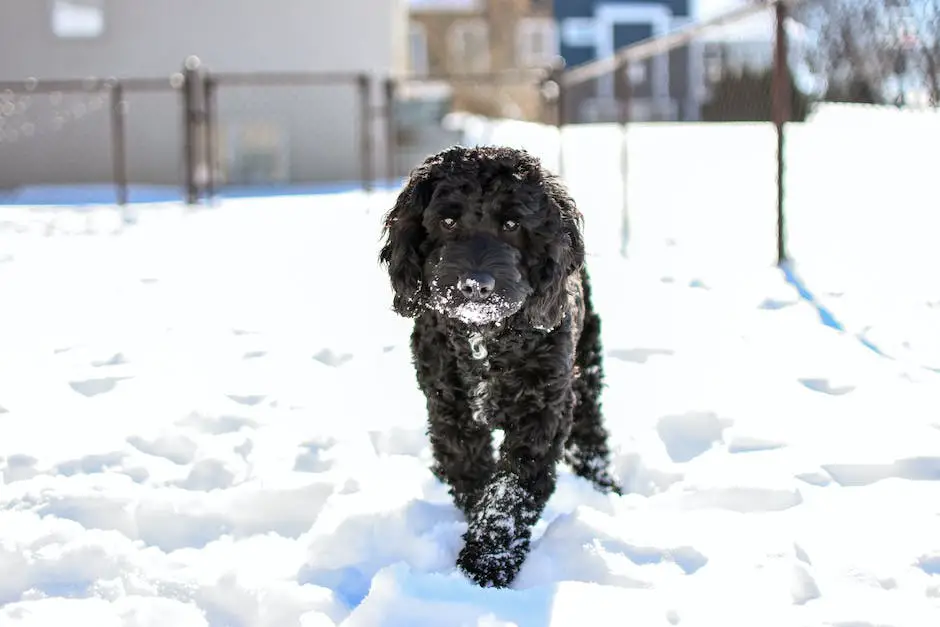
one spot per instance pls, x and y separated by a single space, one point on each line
115 360
18 467
638 355
823 385
250 399
313 457
911 468
751 444
328 357
94 387
686 436
90 464
930 564
207 475
179 449
398 441
254 354
217 425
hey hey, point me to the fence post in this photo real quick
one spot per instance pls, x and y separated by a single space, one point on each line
391 138
209 133
624 95
365 130
118 142
781 95
561 114
192 118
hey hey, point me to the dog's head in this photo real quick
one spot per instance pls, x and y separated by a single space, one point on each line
480 234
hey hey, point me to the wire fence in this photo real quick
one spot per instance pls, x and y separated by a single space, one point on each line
748 122
207 133
749 108
702 112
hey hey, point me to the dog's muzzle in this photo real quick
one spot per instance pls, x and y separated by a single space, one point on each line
477 281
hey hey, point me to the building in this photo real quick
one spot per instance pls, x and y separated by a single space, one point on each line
481 57
282 134
664 88
667 87
453 38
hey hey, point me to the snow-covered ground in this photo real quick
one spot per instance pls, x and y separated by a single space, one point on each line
861 205
210 418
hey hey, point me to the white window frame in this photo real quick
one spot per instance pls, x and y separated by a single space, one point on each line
458 62
658 16
84 23
418 49
528 30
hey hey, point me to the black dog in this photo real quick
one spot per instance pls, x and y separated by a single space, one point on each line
484 249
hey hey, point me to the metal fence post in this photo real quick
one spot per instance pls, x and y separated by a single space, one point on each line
391 135
561 115
781 95
365 130
118 142
624 96
209 133
192 118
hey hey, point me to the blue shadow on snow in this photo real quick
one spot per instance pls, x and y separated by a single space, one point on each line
106 194
825 315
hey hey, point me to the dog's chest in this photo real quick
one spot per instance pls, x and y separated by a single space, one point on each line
479 380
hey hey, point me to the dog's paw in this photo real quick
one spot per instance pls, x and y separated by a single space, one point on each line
492 563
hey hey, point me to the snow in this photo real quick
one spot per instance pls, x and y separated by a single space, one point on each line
210 417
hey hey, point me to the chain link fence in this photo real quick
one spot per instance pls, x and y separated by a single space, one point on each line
291 129
686 129
778 128
119 140
38 119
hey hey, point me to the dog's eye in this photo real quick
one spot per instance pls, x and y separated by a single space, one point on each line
510 225
449 223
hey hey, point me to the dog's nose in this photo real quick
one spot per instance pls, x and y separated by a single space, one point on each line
477 285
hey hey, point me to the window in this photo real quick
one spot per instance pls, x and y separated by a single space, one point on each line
469 45
78 19
417 49
715 62
536 42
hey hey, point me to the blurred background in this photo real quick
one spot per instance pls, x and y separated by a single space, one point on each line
236 93
754 131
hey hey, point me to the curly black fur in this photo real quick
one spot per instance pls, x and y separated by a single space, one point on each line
484 250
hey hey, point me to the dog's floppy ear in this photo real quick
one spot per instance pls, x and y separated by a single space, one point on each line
561 255
404 235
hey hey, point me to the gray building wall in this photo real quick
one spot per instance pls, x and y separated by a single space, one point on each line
63 138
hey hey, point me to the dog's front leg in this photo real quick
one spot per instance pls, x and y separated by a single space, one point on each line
462 446
500 524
